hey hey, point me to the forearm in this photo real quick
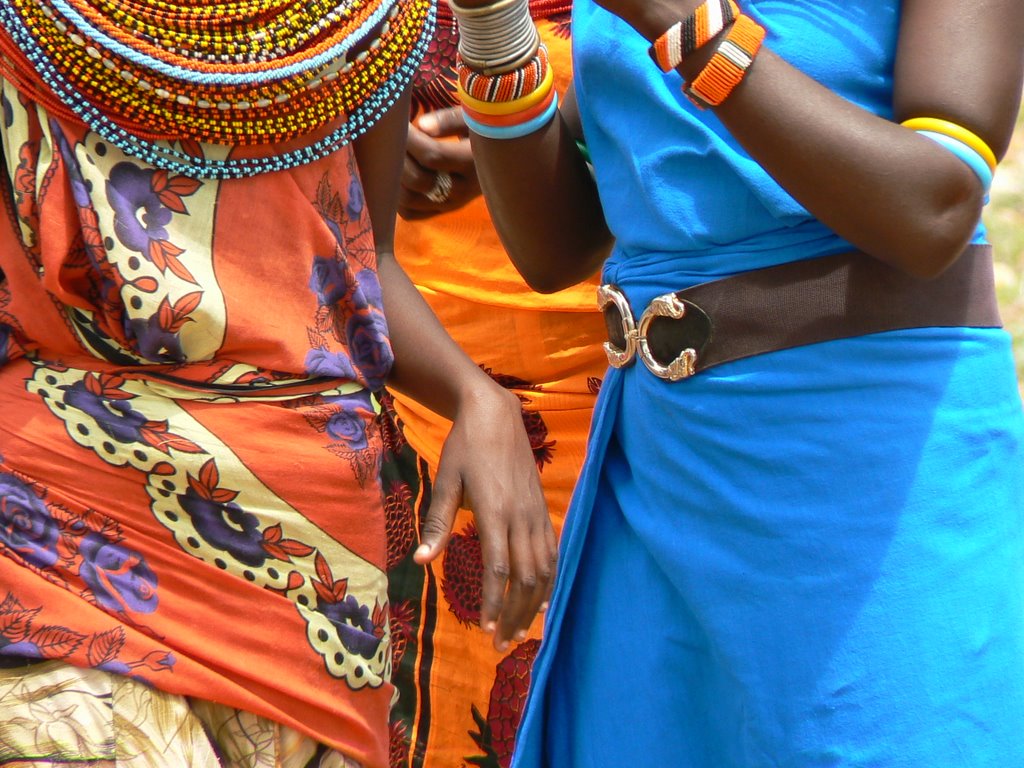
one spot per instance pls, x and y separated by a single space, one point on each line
544 205
429 366
892 193
539 190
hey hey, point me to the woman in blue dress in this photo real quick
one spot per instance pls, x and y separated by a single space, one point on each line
811 553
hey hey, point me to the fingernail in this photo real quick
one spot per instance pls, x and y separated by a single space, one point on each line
520 635
422 550
427 123
489 627
502 646
543 606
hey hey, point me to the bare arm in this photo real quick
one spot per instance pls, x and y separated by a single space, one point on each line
487 455
894 194
544 203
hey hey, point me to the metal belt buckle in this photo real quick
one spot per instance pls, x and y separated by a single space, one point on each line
618 357
685 365
635 343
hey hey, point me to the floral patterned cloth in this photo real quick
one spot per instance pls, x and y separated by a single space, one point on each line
189 456
461 699
57 714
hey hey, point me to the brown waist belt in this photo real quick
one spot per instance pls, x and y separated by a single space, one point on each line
790 305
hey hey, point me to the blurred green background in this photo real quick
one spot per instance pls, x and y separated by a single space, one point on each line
1004 217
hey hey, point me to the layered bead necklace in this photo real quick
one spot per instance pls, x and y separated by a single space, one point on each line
153 76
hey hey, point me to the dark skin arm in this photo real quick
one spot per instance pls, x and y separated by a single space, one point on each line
487 456
894 194
439 141
544 203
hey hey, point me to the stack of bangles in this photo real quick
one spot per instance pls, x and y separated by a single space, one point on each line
733 55
505 82
966 145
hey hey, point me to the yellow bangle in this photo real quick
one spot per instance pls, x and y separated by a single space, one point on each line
954 131
510 107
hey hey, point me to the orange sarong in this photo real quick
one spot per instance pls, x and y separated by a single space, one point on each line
460 699
189 454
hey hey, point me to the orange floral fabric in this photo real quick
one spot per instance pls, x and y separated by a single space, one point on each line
460 699
189 454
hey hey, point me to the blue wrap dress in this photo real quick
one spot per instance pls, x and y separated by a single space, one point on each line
807 558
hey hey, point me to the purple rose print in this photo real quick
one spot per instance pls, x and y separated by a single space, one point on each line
226 526
354 625
354 206
335 365
79 190
369 285
369 346
331 281
118 577
139 216
153 341
115 417
26 526
349 428
348 423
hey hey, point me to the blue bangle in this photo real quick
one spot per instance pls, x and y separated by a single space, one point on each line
975 161
514 131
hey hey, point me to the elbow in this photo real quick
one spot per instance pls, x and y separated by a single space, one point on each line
558 266
934 237
558 272
546 282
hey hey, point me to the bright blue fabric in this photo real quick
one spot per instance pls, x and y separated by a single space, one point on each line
808 558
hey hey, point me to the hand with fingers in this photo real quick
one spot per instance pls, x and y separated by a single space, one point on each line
487 459
439 174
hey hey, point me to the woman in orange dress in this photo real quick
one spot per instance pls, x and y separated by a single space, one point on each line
461 698
194 312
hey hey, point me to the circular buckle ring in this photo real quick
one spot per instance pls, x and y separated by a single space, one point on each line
685 365
618 358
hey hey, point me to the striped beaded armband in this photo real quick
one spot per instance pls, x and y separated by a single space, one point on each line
525 102
729 64
686 36
508 86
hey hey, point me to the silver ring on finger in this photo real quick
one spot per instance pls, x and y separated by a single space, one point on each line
442 189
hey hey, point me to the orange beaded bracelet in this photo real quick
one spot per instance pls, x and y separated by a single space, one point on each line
686 36
728 65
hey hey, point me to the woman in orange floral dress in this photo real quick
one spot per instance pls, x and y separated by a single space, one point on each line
192 537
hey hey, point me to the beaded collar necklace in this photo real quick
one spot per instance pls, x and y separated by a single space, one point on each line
145 74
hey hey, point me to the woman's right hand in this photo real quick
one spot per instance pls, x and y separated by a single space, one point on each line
487 466
438 144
